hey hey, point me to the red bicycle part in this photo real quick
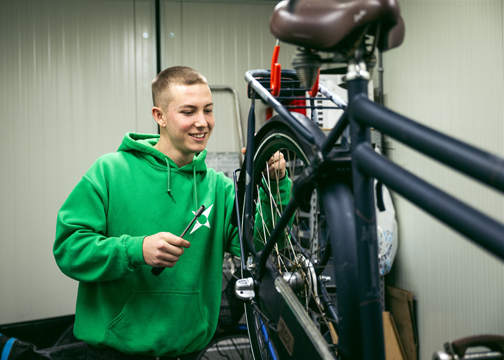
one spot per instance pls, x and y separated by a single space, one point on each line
276 71
314 90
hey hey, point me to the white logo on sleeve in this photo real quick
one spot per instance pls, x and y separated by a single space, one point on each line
202 220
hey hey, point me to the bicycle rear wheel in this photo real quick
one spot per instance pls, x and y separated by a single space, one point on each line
290 316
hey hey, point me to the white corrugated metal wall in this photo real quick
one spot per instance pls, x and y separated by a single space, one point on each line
75 76
448 74
69 91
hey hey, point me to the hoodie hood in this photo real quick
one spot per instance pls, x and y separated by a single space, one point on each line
143 145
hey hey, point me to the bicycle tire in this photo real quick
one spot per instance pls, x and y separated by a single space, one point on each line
229 346
277 136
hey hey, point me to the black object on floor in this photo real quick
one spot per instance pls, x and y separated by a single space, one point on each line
46 339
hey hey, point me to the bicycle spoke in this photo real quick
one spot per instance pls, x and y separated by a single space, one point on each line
265 229
273 203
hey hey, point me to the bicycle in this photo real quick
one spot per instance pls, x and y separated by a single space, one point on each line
330 220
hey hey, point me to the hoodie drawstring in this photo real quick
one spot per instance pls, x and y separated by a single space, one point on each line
168 177
168 185
195 197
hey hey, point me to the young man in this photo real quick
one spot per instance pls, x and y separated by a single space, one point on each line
124 217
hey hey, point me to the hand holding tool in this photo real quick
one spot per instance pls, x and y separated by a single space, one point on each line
158 270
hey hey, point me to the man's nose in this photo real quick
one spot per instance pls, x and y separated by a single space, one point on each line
201 120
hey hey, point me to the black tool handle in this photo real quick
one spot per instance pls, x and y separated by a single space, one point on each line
158 270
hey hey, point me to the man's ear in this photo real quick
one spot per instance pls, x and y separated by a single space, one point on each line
158 115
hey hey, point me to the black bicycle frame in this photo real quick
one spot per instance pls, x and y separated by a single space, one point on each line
366 238
368 165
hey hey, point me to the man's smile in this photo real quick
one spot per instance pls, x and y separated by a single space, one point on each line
198 136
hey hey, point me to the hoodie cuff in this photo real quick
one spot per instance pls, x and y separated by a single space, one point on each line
283 184
134 251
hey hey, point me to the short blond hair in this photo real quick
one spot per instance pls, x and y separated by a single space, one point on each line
180 75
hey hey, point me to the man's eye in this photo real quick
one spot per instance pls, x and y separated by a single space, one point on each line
209 111
187 112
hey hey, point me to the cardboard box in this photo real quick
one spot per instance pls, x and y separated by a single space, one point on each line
393 346
400 304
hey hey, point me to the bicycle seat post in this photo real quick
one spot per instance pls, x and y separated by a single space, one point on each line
357 79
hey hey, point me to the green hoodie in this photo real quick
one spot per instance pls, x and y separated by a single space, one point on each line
123 197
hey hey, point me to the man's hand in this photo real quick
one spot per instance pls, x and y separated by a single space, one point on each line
276 165
163 249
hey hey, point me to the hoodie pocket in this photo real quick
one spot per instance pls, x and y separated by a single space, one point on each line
159 323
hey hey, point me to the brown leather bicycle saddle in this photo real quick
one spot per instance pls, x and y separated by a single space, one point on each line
324 24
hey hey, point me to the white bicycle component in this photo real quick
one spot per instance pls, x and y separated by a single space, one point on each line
311 277
387 232
244 289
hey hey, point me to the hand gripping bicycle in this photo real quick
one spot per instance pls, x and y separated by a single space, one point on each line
310 266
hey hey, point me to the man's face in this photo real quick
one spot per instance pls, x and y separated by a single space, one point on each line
189 118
